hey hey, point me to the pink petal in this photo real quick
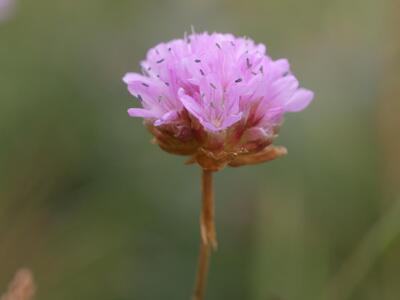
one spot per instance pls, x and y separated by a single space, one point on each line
230 120
167 118
190 104
142 113
300 100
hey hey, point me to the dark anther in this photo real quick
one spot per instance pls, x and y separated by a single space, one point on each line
238 80
248 63
166 83
145 84
213 86
202 72
160 61
218 45
197 60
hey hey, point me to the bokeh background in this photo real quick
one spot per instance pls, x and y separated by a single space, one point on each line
97 212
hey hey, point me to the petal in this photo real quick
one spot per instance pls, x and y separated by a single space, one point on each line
132 78
230 120
190 104
152 93
169 117
273 116
282 66
142 113
300 100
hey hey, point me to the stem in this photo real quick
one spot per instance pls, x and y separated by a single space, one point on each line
208 235
207 223
202 271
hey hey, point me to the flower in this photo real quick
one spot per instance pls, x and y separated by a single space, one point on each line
216 97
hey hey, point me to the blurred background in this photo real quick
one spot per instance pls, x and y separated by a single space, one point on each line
97 212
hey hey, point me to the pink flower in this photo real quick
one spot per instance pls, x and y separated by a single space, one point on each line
214 95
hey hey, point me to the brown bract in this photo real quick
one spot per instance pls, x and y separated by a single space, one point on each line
214 151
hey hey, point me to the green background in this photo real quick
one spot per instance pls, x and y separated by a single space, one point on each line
97 212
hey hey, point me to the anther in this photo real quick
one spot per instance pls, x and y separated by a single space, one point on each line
248 63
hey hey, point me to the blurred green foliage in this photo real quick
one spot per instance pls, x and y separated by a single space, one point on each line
97 212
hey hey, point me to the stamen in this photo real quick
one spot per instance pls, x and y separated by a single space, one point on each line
233 44
218 45
197 61
248 63
202 72
238 80
145 84
213 86
166 83
262 69
160 61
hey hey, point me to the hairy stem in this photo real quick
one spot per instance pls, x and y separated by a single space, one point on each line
208 235
202 271
207 223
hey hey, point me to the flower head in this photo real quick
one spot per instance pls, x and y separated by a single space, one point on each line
216 97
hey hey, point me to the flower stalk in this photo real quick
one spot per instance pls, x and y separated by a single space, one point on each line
208 240
202 271
207 222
